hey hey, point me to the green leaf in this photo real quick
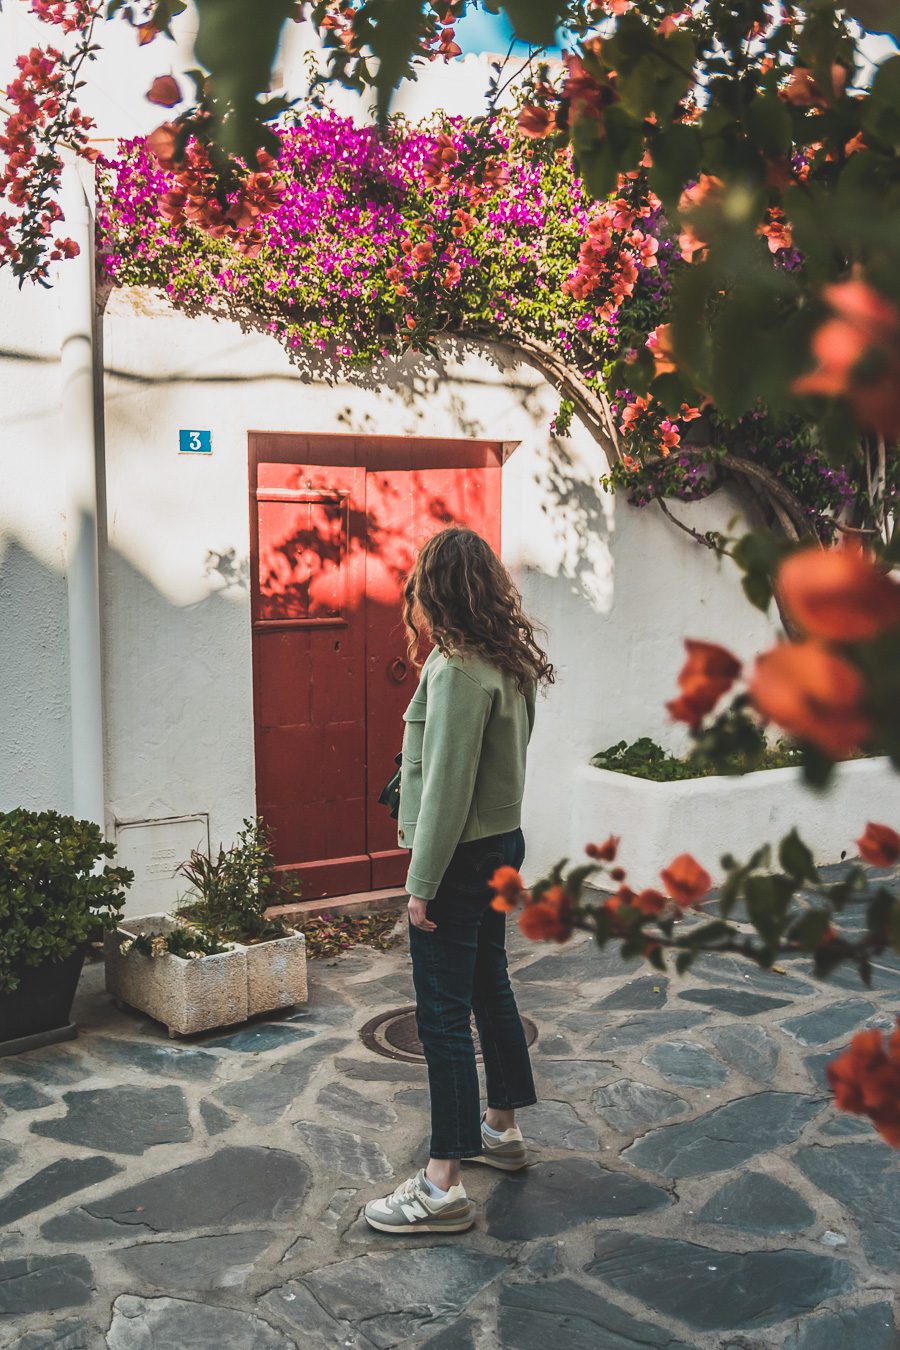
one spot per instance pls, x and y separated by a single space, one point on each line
878 16
676 160
796 858
879 913
769 124
597 167
895 927
758 590
534 21
577 877
707 933
810 928
656 958
684 961
881 110
394 31
817 767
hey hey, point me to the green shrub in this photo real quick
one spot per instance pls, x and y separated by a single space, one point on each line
645 759
186 942
234 889
51 897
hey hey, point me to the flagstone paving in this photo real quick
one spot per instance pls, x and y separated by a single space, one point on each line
691 1186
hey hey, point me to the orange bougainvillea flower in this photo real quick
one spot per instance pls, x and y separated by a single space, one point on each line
650 902
776 229
685 880
161 143
865 326
581 91
510 889
660 344
838 593
707 191
803 91
605 852
708 673
813 695
865 1080
164 91
536 123
548 919
880 845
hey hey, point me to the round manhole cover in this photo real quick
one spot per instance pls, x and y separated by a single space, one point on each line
394 1035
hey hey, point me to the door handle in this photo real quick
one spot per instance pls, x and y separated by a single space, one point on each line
398 670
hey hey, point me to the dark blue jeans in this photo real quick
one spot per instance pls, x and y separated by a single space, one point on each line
458 969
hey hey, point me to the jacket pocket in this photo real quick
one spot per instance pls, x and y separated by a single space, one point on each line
414 732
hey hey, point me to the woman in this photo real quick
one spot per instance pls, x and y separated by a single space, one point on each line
463 772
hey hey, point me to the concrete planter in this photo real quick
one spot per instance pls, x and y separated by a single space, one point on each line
207 991
709 817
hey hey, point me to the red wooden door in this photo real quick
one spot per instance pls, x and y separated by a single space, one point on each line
332 544
403 509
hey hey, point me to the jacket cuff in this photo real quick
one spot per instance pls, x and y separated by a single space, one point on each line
422 890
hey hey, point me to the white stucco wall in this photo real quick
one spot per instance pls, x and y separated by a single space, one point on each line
616 588
35 732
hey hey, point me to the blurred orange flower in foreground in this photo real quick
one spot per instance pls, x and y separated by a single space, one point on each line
548 919
510 888
879 845
708 673
685 880
865 1080
813 695
866 328
838 593
605 852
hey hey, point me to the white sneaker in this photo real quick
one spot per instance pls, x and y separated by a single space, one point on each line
412 1209
506 1150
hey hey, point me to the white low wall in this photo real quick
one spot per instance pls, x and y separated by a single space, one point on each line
709 817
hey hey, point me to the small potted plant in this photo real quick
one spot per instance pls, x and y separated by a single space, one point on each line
53 901
218 960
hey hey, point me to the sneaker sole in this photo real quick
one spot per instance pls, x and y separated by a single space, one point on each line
451 1226
503 1164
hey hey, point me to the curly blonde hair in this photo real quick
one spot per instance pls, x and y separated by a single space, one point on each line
468 601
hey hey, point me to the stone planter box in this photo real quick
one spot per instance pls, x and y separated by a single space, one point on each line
207 991
709 817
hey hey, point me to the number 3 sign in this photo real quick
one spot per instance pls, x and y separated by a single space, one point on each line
195 442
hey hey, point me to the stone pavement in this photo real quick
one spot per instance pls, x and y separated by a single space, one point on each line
691 1186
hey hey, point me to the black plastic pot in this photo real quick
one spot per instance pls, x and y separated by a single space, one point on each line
37 1013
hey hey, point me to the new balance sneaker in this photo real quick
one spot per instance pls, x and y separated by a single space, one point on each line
411 1209
505 1150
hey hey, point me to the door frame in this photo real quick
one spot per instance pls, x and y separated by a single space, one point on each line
368 452
348 450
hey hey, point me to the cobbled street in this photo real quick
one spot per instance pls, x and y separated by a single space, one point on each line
691 1186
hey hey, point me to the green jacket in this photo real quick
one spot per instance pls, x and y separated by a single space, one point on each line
464 744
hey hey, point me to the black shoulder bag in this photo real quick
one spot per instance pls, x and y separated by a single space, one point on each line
390 793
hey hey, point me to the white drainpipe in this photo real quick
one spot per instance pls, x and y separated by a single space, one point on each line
75 286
